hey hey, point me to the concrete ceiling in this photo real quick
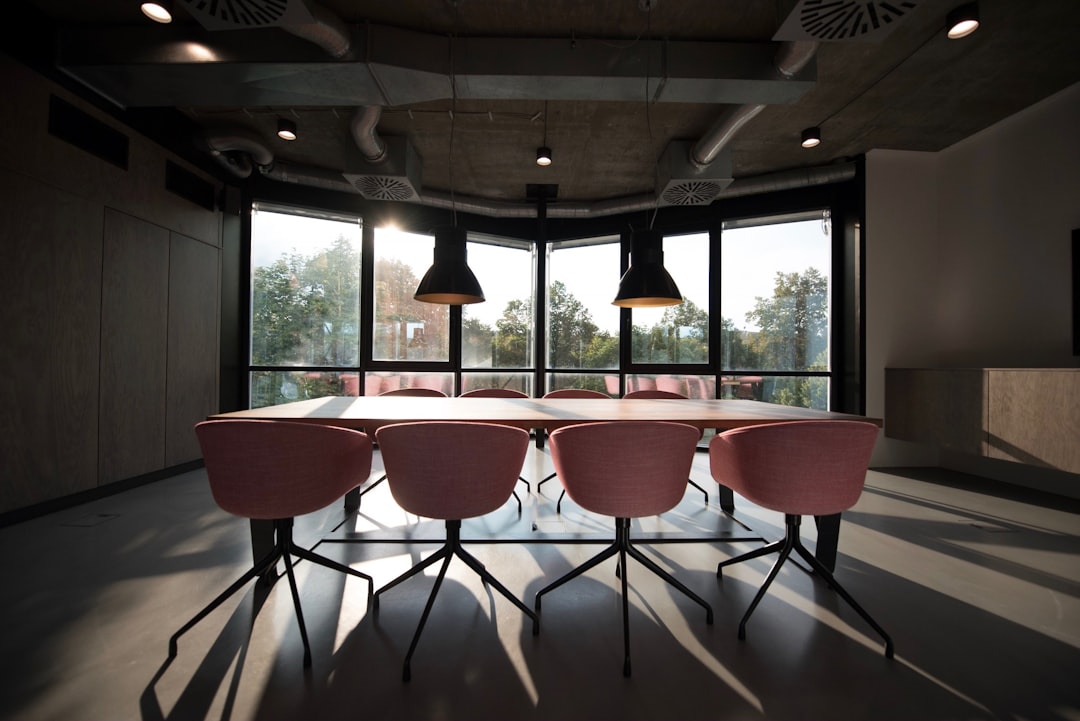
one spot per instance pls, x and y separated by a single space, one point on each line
607 84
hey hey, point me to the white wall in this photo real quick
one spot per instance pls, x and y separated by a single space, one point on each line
968 256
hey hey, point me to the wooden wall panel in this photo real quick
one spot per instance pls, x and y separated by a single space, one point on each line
192 387
1035 417
945 407
134 315
50 270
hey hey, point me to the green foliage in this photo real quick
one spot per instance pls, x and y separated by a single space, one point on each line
794 322
681 336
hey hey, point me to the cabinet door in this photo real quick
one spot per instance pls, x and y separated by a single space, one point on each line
134 317
192 386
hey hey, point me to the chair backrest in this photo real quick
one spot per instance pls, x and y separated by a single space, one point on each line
575 393
625 469
797 467
279 469
415 391
493 393
451 470
654 394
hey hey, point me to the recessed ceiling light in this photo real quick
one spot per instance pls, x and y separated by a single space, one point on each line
963 21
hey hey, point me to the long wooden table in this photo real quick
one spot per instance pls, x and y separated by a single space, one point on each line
546 414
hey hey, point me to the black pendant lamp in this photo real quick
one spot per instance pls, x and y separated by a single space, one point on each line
449 280
646 283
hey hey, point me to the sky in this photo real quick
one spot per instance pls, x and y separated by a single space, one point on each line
751 257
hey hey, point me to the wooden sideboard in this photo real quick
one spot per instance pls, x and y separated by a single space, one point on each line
1024 415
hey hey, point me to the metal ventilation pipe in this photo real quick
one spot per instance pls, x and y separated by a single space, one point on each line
307 175
791 57
328 31
237 152
365 135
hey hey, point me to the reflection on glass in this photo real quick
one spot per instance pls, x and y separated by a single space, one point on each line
583 325
775 295
691 386
271 388
305 290
381 382
406 329
499 332
679 333
514 381
589 381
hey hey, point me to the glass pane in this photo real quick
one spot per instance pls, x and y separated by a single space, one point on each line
514 381
591 381
406 329
679 333
271 388
583 325
376 383
498 333
691 386
801 391
774 296
305 291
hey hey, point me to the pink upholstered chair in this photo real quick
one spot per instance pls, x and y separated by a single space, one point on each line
416 392
626 470
451 471
276 470
799 468
500 393
670 395
566 393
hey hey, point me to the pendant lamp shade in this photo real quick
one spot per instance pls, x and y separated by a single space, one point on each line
646 283
449 280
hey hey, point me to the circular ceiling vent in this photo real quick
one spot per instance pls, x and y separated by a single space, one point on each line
848 20
218 14
380 187
694 192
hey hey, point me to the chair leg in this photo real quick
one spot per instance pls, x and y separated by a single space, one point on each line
824 572
528 488
332 564
706 493
360 495
784 553
296 605
623 547
558 504
765 550
544 480
518 499
451 548
267 562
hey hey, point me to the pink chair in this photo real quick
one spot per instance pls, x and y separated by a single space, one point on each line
500 393
417 392
451 470
567 393
671 395
797 468
627 469
276 470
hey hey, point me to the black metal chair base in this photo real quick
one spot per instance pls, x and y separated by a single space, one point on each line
623 547
451 548
792 542
283 550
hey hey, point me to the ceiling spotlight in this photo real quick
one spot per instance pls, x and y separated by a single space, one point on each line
286 129
543 156
158 11
811 137
963 21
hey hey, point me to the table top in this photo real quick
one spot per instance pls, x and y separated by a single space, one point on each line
548 413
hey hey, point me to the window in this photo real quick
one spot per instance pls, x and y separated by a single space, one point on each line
678 334
498 333
583 325
406 329
305 306
775 302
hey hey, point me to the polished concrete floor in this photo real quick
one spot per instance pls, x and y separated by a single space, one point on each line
978 584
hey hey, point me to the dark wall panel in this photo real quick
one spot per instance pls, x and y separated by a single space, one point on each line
50 270
192 385
134 313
